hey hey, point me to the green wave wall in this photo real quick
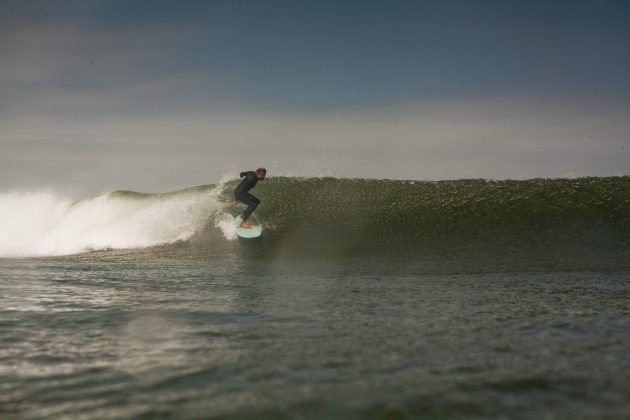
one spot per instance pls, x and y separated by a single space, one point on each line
328 216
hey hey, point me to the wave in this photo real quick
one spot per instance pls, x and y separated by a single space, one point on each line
413 209
49 224
543 221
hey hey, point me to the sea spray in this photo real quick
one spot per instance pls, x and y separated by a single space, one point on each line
46 223
27 218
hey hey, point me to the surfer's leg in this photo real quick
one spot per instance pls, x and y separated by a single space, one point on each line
251 202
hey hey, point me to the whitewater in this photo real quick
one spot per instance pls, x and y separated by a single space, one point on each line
50 224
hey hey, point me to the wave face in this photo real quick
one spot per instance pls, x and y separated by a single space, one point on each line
542 219
570 223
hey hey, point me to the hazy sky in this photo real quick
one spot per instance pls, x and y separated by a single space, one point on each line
161 95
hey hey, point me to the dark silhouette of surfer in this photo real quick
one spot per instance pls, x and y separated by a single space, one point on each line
241 193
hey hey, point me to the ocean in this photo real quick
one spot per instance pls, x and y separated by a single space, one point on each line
366 299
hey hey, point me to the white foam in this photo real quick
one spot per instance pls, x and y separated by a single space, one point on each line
46 223
225 222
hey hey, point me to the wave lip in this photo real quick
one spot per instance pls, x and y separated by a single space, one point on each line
49 224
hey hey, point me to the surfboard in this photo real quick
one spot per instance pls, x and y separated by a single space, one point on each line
254 232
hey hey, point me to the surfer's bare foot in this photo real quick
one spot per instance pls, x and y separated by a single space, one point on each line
246 225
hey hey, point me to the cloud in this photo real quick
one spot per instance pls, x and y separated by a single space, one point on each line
143 100
66 53
71 68
441 141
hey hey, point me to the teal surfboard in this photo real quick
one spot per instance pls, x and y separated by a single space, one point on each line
254 232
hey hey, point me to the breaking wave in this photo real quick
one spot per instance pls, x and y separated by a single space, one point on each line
571 222
47 224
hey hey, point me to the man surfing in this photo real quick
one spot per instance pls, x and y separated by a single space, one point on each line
241 193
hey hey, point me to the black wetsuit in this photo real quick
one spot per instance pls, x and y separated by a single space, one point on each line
242 193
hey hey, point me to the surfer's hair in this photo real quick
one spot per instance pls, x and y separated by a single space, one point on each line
263 170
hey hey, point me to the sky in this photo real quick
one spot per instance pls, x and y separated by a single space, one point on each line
155 96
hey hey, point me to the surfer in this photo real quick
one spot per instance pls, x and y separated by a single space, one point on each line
241 193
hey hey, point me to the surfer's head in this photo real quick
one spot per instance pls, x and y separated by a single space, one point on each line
261 173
